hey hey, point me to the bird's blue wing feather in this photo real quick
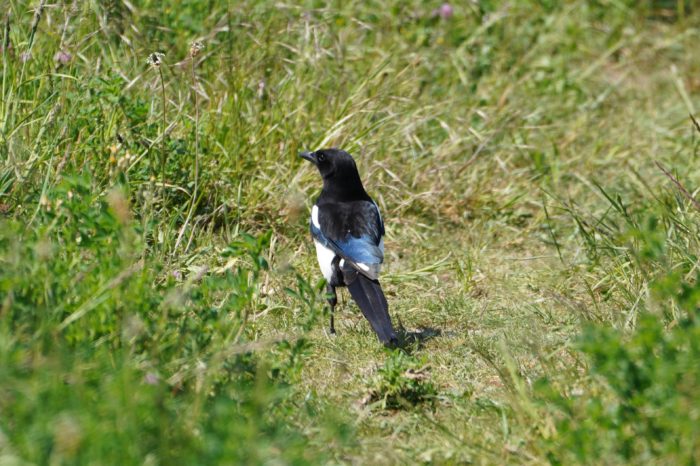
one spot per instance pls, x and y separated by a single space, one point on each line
362 249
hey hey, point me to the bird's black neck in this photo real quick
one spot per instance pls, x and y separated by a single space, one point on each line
346 187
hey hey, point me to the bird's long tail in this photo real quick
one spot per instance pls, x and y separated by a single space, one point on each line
369 297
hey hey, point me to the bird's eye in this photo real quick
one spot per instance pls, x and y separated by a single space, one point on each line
321 157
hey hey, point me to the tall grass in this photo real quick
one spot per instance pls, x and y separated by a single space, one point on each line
535 166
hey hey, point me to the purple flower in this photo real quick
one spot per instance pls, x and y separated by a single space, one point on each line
151 378
445 11
25 57
62 57
177 275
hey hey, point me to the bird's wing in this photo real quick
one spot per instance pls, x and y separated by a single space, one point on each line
361 247
379 220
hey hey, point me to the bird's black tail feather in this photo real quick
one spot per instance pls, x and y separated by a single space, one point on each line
369 297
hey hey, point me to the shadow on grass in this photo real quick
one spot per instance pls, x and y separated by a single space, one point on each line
411 341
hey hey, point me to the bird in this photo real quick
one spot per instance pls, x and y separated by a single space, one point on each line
347 230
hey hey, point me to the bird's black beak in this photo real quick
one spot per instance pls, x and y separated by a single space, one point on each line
310 156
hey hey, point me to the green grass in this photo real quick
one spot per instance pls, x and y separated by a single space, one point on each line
535 165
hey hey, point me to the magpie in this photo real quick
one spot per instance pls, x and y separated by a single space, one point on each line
347 230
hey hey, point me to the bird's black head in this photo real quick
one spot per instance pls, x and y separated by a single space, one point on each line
338 171
331 162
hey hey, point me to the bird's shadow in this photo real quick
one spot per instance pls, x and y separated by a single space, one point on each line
410 341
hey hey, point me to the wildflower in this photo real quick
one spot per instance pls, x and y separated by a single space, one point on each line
445 11
62 57
177 275
151 378
195 48
25 57
155 59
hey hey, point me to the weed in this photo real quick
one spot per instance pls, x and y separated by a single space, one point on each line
402 382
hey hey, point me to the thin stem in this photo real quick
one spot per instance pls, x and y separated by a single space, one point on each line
5 52
193 199
679 185
196 134
162 136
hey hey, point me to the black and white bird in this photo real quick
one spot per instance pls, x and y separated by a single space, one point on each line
347 230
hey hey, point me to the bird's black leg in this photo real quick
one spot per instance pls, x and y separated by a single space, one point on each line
332 301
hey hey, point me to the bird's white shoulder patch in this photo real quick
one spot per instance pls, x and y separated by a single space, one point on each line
325 258
314 216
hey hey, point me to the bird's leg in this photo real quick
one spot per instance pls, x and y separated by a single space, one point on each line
332 301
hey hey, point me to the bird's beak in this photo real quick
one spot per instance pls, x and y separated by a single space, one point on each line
310 156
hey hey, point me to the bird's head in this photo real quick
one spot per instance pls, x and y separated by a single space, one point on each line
332 163
339 172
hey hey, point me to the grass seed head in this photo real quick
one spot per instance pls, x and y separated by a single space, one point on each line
196 48
155 59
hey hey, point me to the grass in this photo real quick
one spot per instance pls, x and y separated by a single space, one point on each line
535 165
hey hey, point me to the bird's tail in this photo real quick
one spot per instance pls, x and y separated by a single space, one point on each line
369 297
